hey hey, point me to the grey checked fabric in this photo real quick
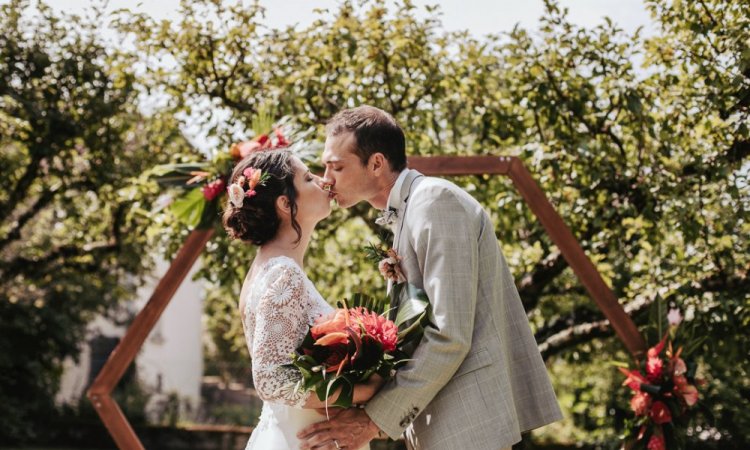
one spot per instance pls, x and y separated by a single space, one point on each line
477 379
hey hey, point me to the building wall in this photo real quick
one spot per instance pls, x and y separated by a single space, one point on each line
171 359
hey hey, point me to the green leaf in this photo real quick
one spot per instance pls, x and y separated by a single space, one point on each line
188 209
413 306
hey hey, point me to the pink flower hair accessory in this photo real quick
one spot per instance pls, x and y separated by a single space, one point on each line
250 178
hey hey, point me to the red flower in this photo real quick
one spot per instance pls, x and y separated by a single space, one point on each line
640 403
633 380
678 366
377 326
263 140
654 351
337 358
660 413
656 443
280 139
213 189
654 366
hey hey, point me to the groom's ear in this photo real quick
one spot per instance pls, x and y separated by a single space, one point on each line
378 162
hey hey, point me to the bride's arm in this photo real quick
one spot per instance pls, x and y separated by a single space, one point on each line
280 319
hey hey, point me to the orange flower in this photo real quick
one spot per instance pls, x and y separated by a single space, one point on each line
253 177
337 321
240 150
687 391
333 338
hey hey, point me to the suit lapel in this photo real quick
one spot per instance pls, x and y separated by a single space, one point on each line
400 205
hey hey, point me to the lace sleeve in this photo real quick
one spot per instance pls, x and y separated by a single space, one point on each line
281 322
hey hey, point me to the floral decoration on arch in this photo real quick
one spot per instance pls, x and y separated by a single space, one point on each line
194 191
665 393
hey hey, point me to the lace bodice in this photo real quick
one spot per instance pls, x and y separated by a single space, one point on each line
280 304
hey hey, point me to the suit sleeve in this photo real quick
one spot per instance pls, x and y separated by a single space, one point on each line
445 234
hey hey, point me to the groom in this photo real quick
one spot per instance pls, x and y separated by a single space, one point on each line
477 379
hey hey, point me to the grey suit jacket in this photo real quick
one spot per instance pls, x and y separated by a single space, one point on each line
477 379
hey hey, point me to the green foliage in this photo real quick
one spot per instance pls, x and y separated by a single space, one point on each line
641 143
638 142
72 225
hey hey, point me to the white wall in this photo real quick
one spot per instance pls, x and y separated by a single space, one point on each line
171 358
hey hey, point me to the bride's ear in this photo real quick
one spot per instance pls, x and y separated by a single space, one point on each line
283 206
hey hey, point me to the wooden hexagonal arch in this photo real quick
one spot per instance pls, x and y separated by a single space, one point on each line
100 391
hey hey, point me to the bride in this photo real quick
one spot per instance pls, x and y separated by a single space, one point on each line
275 203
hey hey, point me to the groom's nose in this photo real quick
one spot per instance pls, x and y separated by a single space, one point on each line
321 182
327 180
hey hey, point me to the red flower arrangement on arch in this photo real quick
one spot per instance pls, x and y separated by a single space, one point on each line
664 392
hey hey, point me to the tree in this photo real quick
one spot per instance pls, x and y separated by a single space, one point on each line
646 163
72 224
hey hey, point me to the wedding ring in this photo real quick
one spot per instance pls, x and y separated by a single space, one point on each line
336 443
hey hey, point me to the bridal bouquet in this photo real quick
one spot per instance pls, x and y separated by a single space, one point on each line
356 341
664 393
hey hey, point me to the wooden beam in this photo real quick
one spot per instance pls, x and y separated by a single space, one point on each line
582 266
127 349
554 226
115 421
460 165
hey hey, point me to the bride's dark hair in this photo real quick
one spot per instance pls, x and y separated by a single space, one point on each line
256 221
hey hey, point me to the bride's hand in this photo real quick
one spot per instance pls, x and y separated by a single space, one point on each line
365 391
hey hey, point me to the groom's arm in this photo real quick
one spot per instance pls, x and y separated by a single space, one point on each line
444 233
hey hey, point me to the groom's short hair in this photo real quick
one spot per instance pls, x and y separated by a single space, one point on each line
375 131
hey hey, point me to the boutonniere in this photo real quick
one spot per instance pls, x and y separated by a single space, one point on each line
387 217
389 263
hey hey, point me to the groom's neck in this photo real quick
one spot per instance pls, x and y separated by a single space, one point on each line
385 185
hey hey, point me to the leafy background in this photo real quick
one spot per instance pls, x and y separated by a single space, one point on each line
641 143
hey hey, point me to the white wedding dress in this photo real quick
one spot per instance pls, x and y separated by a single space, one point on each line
280 305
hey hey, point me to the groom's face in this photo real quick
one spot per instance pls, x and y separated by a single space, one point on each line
350 181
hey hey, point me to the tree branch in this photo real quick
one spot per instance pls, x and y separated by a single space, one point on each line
532 285
41 202
19 265
559 340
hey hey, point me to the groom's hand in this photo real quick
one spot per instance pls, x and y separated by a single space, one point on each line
351 429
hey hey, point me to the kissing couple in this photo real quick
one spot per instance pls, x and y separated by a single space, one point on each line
476 379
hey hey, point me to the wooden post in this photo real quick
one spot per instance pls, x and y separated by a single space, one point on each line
127 349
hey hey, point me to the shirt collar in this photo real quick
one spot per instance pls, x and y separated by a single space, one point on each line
394 198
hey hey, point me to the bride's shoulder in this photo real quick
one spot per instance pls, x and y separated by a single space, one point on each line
280 267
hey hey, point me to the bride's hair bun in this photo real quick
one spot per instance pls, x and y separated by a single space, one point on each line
255 220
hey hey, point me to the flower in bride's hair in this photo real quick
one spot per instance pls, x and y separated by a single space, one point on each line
253 177
236 194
